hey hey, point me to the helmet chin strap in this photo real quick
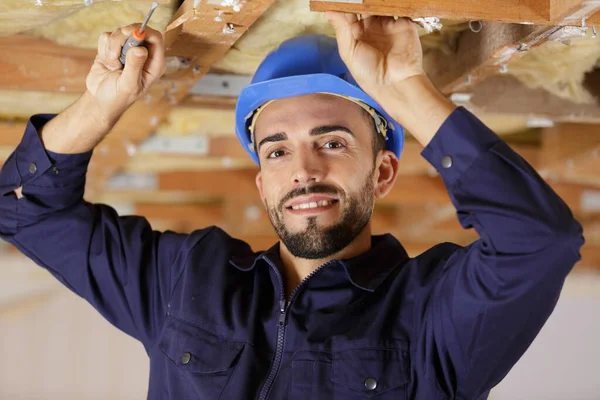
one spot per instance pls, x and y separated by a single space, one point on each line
381 124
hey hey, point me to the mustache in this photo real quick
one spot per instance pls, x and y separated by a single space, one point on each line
317 188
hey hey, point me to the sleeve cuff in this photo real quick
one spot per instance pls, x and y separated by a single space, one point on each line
32 163
459 142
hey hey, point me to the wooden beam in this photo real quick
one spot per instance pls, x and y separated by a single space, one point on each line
196 37
479 55
11 133
571 152
35 64
211 102
568 142
548 12
483 54
507 95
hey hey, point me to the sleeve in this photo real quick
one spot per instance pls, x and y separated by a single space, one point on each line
492 298
118 264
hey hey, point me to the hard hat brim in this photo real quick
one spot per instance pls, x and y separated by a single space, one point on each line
257 94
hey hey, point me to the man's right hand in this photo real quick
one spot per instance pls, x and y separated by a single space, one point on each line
116 88
111 90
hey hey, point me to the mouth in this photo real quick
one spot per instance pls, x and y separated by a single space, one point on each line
311 206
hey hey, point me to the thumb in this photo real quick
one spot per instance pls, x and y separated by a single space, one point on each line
132 72
342 24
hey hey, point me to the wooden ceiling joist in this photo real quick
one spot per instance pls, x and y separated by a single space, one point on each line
485 53
548 12
571 152
33 64
506 95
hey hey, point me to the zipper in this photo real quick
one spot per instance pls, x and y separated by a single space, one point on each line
284 306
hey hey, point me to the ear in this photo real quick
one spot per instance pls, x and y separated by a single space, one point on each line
388 172
259 185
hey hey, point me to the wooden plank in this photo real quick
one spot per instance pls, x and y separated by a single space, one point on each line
514 11
11 133
571 152
590 258
594 20
37 64
206 101
482 54
506 95
568 142
182 217
196 37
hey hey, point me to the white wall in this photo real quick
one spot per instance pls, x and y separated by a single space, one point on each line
54 346
562 363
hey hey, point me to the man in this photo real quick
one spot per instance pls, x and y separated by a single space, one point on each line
329 312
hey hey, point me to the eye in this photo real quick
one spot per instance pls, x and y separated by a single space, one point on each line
276 154
334 144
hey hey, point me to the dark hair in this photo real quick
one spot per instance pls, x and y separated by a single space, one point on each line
377 140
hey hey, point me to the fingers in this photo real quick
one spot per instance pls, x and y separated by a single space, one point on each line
342 25
155 64
103 56
115 43
131 79
102 41
143 64
340 20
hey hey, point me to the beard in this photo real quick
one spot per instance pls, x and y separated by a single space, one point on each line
316 241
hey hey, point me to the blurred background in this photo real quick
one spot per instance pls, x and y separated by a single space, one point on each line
530 74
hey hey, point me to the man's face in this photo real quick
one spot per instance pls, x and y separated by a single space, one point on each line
318 176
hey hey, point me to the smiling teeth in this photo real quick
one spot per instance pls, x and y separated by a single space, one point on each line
312 204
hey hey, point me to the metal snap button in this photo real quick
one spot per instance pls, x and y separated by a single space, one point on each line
32 168
446 161
186 358
371 383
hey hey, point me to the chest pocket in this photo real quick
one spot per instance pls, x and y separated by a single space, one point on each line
203 360
353 371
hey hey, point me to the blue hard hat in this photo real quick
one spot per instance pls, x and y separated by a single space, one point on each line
303 65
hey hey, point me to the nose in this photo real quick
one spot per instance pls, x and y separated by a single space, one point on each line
307 168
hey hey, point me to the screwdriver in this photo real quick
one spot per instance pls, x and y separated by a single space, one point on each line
137 37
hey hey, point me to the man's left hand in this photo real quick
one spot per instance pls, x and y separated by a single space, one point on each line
378 51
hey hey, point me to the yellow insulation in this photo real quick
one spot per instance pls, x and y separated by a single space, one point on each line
20 15
560 68
83 28
554 66
288 18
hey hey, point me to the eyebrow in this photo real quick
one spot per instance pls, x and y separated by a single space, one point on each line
319 130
